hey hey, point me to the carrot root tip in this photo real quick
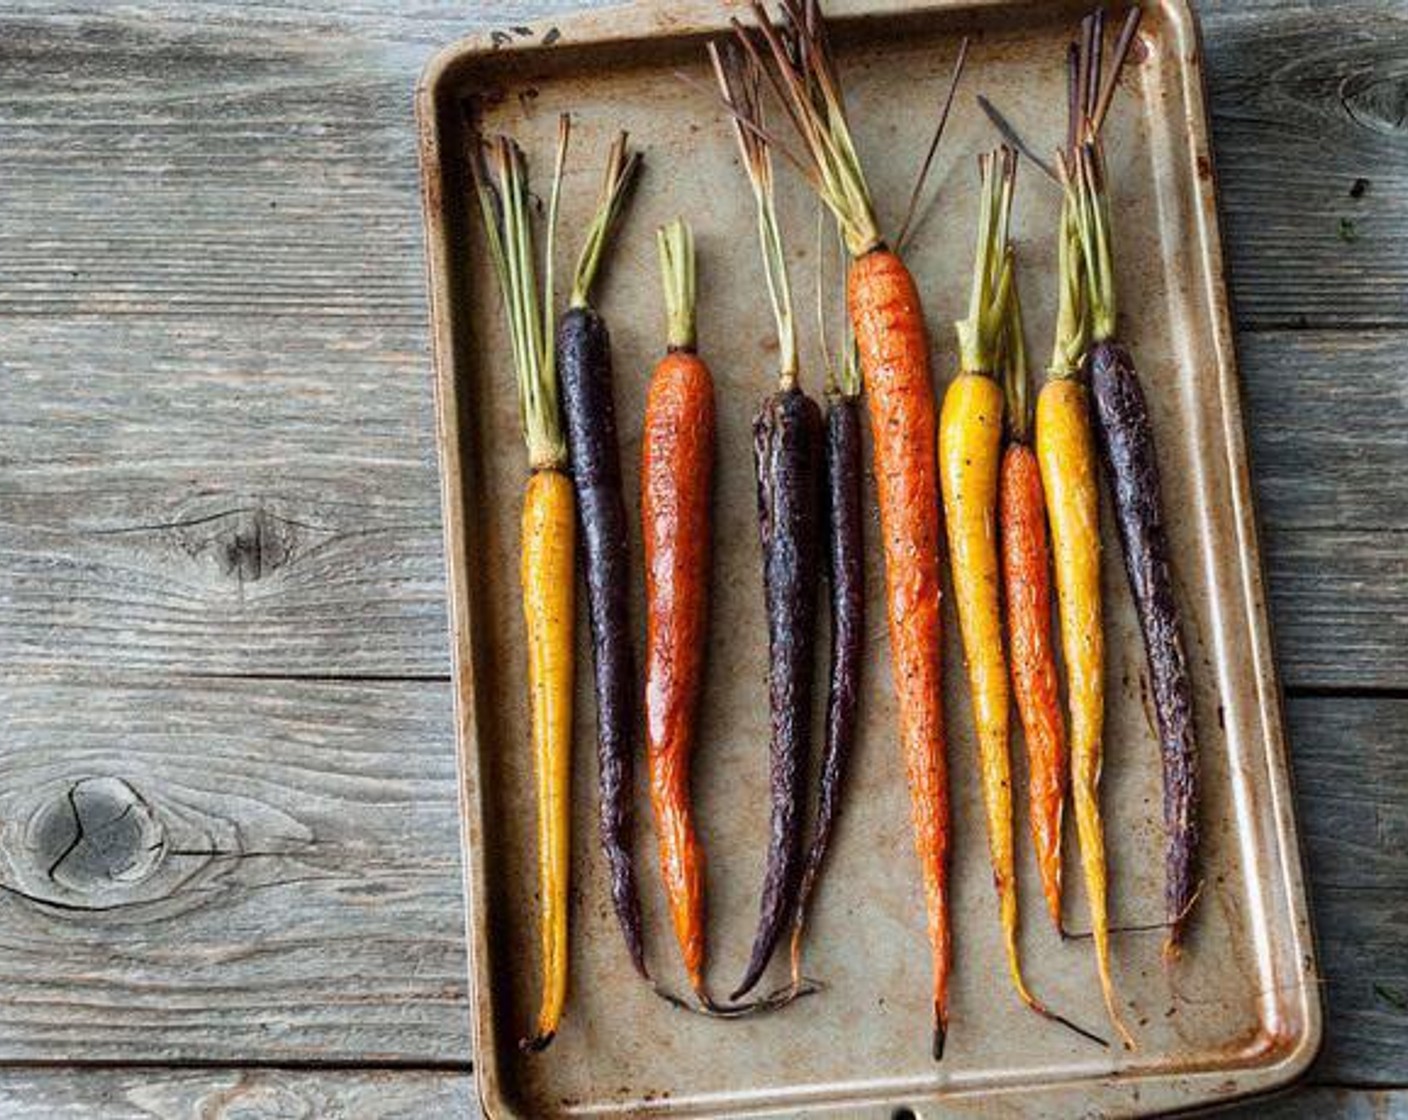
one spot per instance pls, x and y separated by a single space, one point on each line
670 998
1090 1036
538 1043
940 1037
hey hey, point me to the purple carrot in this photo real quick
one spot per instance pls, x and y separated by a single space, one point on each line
584 367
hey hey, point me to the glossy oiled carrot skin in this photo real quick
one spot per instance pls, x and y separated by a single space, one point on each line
677 458
1066 452
1026 578
970 443
894 354
548 530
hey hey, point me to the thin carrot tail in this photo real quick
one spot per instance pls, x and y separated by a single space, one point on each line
1014 965
1107 987
1093 853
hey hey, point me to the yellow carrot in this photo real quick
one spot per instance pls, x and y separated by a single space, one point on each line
548 539
549 527
970 450
1066 452
970 441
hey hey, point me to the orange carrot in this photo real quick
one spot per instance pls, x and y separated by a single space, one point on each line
677 457
1026 579
894 355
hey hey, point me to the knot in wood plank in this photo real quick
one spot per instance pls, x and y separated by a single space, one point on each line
250 543
1378 102
96 834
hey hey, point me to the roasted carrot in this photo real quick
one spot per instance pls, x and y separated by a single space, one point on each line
846 576
547 539
894 356
787 438
970 438
589 410
1066 452
1125 437
677 459
1026 583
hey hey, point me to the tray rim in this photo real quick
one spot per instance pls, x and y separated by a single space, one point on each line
639 20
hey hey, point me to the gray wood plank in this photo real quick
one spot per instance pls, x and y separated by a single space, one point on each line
1331 1104
1307 100
229 871
1340 607
1351 770
1326 414
1327 417
168 1094
162 1094
1310 127
181 497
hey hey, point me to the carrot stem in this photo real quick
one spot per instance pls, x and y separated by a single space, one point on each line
677 271
740 79
621 167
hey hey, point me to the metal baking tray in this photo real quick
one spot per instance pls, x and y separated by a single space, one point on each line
1241 1014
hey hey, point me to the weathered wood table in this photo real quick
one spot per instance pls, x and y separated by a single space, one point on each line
229 872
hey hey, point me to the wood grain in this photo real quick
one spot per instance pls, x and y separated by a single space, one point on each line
1310 124
229 871
1340 606
184 497
215 458
1351 768
1327 412
171 1094
168 1094
1339 1104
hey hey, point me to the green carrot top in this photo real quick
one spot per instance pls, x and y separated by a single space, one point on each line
621 166
740 79
676 244
501 182
1072 311
1093 226
1093 87
1016 381
805 77
980 335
